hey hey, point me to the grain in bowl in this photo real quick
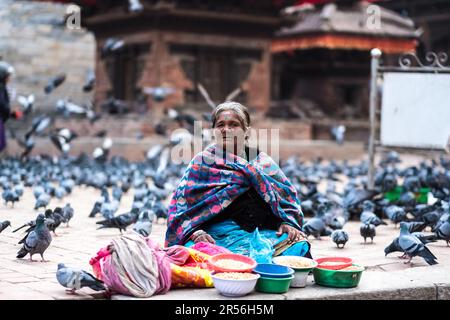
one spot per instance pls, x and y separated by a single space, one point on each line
235 275
294 262
232 264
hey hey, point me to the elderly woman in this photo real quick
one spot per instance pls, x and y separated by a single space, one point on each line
236 197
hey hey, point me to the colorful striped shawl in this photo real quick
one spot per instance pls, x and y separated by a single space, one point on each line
211 182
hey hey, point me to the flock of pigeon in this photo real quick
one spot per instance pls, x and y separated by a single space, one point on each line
332 209
150 181
56 178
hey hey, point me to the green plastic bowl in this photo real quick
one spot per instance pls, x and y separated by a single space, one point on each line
394 195
273 285
338 278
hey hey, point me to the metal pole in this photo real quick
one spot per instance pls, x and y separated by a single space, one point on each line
376 54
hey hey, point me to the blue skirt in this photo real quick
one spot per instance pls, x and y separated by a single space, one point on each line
258 244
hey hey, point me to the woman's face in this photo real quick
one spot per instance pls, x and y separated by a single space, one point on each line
228 131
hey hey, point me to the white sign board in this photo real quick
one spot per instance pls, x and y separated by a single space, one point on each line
415 110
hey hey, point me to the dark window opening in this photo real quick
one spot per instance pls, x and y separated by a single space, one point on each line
125 70
349 95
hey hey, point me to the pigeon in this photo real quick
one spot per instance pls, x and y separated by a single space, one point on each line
19 189
368 217
367 231
135 6
75 279
4 225
54 83
441 220
420 210
121 222
101 153
315 227
307 207
387 180
27 143
98 204
90 81
412 246
66 107
182 118
109 208
354 197
57 217
10 196
394 246
38 126
392 157
117 193
407 199
37 241
68 185
414 226
143 225
37 191
101 134
60 192
337 222
67 213
338 134
30 224
395 213
111 45
340 237
42 201
412 184
115 106
61 139
91 115
443 231
26 103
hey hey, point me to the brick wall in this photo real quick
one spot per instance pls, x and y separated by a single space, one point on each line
34 39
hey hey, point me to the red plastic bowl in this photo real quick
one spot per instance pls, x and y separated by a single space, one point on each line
344 262
237 257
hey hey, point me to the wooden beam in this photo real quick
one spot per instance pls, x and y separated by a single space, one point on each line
185 13
432 18
336 41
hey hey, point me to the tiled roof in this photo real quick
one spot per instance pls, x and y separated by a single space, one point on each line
351 19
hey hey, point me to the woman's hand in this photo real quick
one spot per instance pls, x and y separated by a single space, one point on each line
200 235
294 235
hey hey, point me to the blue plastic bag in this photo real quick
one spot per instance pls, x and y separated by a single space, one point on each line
261 249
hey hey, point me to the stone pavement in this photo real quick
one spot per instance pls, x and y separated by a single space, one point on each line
385 277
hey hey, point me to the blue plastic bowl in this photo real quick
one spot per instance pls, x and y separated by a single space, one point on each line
270 270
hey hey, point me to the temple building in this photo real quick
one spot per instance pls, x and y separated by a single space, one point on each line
306 61
222 45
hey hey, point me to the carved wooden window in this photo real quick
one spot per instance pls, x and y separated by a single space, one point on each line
219 69
125 69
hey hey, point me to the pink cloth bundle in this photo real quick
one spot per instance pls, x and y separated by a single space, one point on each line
209 248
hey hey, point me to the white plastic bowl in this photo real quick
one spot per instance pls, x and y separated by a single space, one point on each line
301 274
235 288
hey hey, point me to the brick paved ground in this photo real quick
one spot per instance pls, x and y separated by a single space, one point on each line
385 278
